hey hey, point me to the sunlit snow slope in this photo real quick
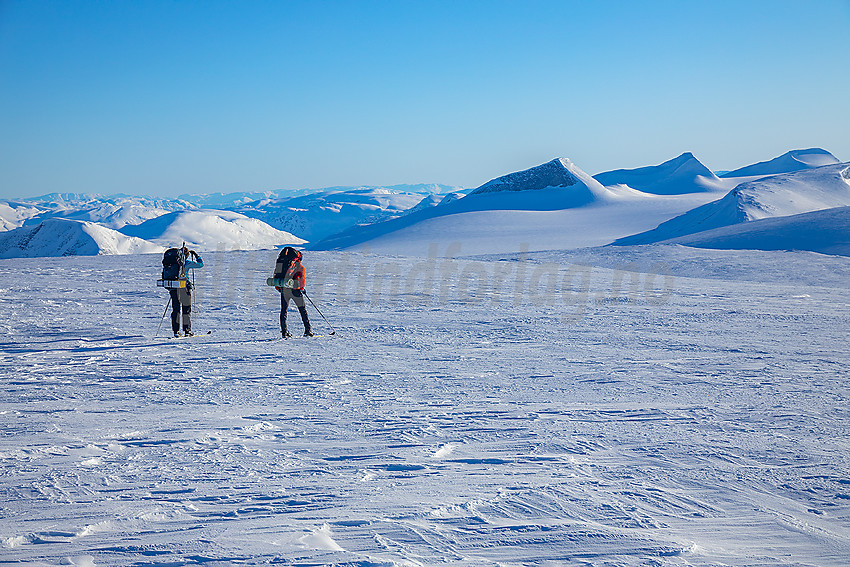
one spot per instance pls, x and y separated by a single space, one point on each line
208 229
795 160
62 237
554 205
779 195
683 174
826 231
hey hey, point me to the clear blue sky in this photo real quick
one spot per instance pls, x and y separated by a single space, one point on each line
165 97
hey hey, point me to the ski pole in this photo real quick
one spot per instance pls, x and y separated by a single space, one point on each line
193 289
333 332
163 316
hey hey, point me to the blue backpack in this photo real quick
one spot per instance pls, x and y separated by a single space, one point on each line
172 262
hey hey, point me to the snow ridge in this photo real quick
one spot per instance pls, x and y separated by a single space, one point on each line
779 195
789 162
826 231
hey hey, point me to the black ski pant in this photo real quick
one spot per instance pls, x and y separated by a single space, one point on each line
287 295
181 301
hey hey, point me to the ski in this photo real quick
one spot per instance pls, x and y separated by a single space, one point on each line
192 335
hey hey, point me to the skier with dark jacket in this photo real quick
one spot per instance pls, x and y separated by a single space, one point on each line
292 272
181 297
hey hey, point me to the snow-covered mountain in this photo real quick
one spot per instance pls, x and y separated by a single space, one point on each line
779 195
63 237
314 214
826 231
237 200
683 174
429 201
225 201
113 212
555 204
14 214
209 229
322 214
558 173
795 160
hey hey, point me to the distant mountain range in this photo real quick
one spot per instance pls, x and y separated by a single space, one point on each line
318 215
555 205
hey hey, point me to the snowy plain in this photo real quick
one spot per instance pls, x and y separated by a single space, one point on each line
618 406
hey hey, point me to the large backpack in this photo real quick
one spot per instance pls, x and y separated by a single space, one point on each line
284 260
172 261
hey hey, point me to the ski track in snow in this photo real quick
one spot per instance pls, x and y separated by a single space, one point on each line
707 430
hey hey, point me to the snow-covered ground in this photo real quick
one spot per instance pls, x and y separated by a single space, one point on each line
553 409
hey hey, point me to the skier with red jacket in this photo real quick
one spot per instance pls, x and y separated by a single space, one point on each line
291 271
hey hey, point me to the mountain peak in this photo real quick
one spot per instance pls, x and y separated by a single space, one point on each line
558 173
682 174
555 173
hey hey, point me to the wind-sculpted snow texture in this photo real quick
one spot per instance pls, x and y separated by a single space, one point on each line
657 406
